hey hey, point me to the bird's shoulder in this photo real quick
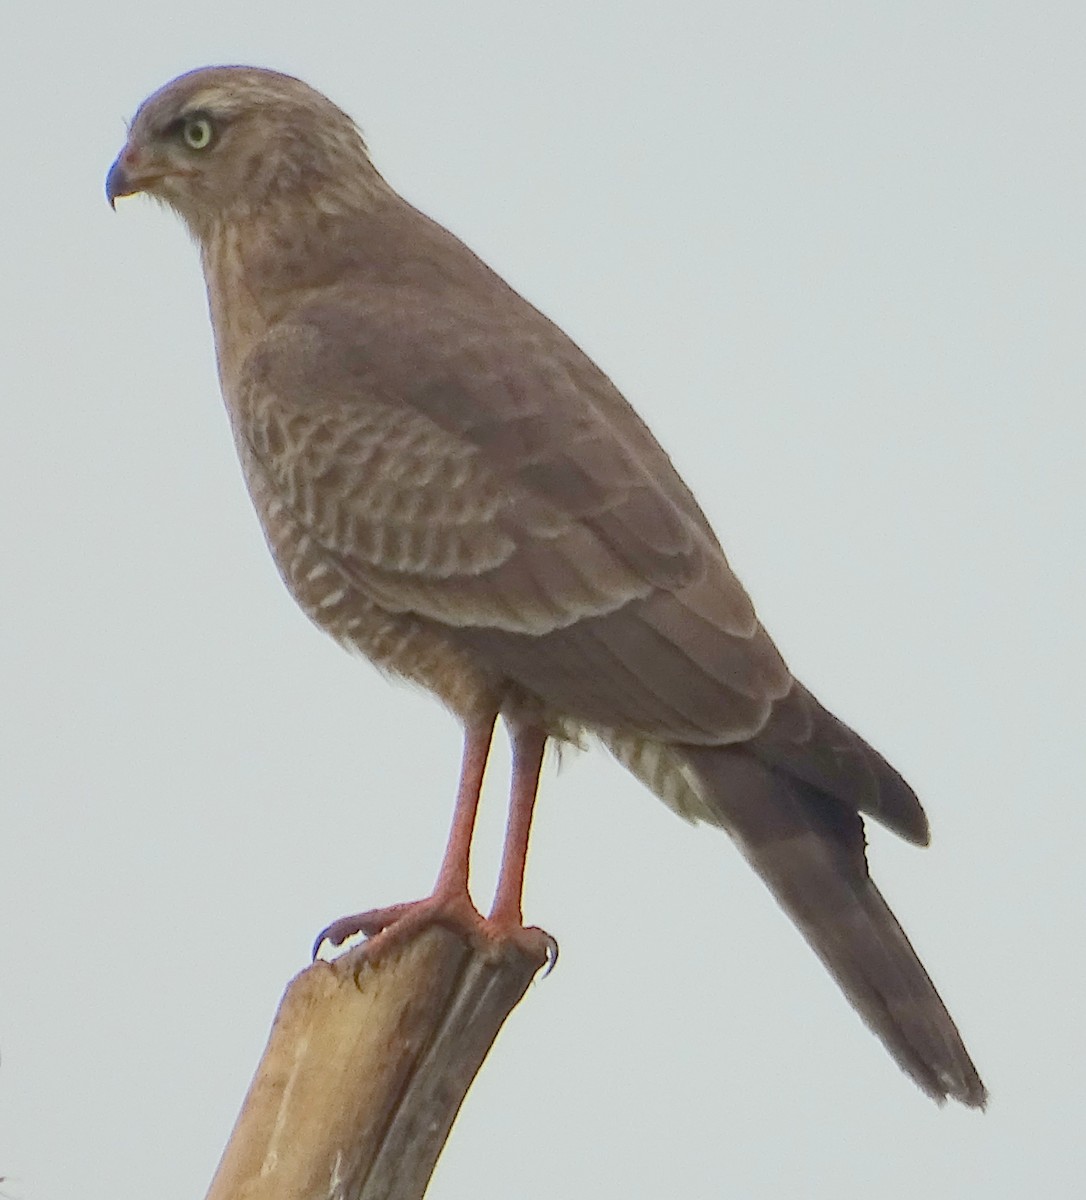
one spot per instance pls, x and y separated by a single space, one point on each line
478 378
480 363
468 463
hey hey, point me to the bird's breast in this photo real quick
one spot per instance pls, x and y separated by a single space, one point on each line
398 643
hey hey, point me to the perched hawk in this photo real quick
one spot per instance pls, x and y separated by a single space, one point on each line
450 486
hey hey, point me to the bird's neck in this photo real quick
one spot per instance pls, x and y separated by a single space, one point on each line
242 308
265 265
261 266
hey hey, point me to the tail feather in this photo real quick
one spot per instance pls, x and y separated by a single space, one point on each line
809 849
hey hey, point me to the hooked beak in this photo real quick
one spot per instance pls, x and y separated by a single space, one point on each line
130 173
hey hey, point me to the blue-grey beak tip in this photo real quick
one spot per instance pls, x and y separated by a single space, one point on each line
117 184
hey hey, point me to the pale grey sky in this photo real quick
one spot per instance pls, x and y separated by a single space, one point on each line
834 253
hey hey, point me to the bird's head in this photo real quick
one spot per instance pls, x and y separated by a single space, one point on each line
221 142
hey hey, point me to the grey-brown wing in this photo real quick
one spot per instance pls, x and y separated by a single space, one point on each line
466 462
805 740
479 472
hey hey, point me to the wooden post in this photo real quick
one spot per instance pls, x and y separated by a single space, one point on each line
366 1068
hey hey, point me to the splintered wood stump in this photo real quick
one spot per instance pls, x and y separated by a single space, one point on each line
366 1068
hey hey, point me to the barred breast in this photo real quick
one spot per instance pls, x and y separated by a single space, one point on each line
399 644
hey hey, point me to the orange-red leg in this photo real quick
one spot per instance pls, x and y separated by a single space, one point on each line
450 897
452 876
528 746
450 902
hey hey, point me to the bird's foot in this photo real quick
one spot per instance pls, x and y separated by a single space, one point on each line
387 928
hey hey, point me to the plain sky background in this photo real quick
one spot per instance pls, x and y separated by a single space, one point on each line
834 254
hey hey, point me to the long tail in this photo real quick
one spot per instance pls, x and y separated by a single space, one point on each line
809 849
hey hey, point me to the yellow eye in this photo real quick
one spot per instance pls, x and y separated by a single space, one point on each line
197 133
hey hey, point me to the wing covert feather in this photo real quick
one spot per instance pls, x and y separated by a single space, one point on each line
478 471
527 522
